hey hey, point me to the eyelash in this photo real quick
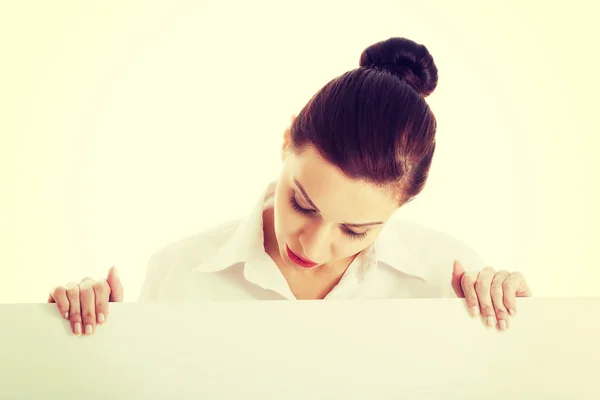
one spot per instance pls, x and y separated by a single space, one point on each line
304 211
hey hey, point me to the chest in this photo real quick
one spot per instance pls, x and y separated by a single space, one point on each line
312 289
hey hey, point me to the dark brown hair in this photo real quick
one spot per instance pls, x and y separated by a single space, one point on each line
373 122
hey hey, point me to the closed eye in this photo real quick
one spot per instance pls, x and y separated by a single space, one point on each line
307 211
355 235
299 208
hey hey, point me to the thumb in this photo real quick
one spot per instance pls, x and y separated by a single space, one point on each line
458 271
116 288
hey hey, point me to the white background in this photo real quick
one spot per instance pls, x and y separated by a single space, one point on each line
128 125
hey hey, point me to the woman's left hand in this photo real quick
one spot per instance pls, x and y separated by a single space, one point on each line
490 293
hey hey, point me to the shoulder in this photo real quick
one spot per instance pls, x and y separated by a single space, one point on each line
427 242
191 250
428 253
179 257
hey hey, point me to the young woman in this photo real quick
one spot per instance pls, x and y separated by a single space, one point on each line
360 149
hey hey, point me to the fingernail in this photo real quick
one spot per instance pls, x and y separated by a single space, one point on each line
66 315
512 312
502 324
475 311
101 318
116 272
77 328
490 321
88 329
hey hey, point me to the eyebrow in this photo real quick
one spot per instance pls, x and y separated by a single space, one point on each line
317 208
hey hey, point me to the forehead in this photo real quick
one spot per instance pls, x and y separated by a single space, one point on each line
338 197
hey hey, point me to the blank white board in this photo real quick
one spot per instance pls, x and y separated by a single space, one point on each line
381 349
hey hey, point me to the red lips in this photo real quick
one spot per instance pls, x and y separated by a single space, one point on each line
299 260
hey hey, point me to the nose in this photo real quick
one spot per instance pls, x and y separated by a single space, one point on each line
315 242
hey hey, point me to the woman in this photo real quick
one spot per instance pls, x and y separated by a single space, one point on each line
360 149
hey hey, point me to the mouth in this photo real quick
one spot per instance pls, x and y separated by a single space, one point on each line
304 263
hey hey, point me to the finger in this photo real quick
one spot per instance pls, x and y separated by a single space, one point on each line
116 288
468 287
498 295
511 286
88 305
482 288
457 272
58 295
101 296
523 289
74 307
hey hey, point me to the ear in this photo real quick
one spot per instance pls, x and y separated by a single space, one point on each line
287 138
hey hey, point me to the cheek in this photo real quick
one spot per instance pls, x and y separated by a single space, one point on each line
287 221
348 247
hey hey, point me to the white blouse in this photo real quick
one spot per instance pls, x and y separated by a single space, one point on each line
229 262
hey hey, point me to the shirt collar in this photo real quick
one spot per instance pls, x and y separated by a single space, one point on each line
247 239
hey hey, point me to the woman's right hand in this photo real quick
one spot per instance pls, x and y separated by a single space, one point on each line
86 304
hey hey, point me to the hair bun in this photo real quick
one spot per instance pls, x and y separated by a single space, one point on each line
409 61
